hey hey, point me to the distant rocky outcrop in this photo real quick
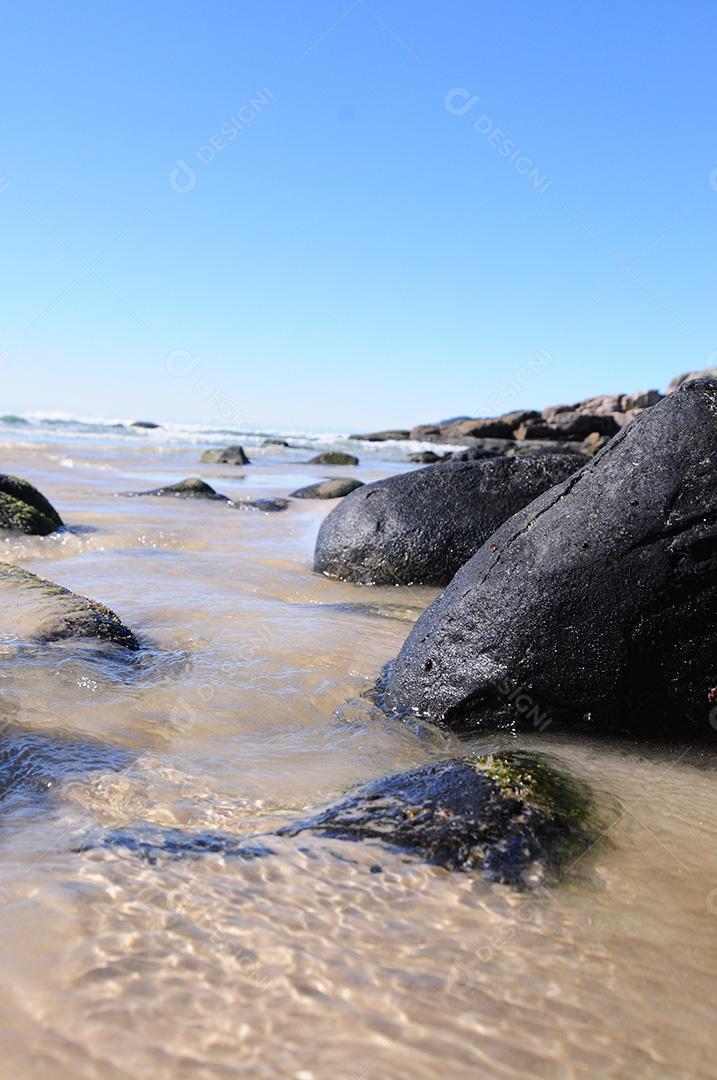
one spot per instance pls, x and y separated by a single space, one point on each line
602 416
397 435
24 509
149 424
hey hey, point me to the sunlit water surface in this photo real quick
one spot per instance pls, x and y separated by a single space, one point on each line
244 711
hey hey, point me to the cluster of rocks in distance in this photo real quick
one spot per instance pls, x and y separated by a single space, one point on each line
591 422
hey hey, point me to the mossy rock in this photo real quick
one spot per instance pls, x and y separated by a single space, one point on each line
328 489
230 455
514 817
24 509
333 457
194 488
39 610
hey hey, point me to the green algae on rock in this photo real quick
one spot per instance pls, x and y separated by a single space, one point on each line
24 509
230 455
193 488
328 489
39 610
514 817
333 457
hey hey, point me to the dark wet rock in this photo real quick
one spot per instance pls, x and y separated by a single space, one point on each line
268 506
425 457
194 488
328 489
42 611
333 457
149 424
275 442
513 817
394 435
24 509
153 843
230 455
419 527
597 603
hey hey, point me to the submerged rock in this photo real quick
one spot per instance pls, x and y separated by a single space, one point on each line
194 488
230 455
514 817
328 489
24 509
333 457
149 424
275 442
596 603
39 610
33 762
269 506
153 842
420 527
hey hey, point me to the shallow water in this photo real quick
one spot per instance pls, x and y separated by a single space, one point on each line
243 712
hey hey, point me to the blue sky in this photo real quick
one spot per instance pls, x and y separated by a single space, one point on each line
387 213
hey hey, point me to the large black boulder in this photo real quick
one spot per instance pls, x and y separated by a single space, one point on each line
596 603
420 527
515 818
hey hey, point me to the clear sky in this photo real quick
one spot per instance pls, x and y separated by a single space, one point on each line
383 212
